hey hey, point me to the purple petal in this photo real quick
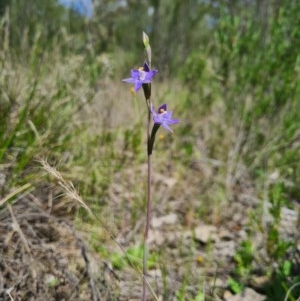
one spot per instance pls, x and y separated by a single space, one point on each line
156 119
167 127
168 114
135 73
173 121
129 80
151 74
137 86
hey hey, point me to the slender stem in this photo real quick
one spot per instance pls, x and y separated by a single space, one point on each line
148 210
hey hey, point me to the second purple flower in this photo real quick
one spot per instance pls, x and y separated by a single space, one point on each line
163 117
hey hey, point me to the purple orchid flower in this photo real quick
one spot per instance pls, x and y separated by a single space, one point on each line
163 117
140 76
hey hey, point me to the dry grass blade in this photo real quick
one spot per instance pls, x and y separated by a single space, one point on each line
14 193
10 296
16 227
68 187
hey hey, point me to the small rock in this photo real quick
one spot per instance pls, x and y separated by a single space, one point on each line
173 239
51 280
259 281
274 176
63 262
247 295
225 234
218 282
157 274
224 249
205 233
155 237
169 219
288 223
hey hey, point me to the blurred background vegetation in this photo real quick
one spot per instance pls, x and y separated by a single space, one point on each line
229 69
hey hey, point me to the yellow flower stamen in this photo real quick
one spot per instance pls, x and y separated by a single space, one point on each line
161 137
200 259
